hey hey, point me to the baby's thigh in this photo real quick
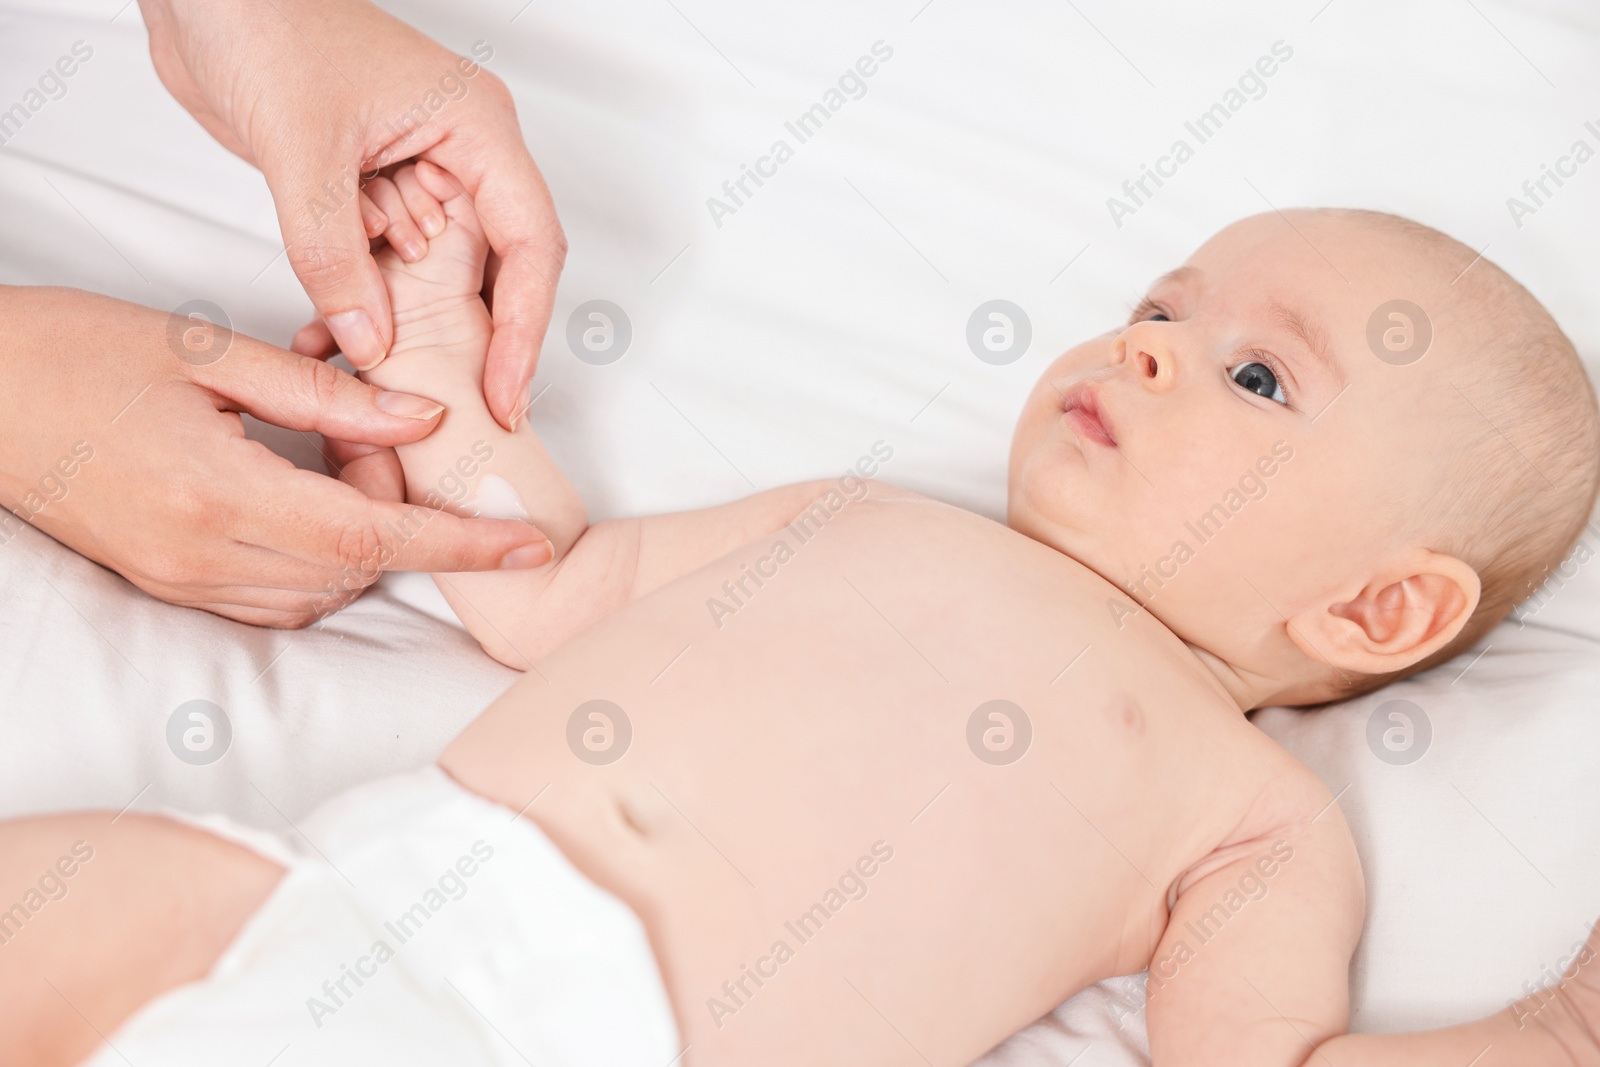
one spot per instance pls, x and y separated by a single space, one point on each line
100 913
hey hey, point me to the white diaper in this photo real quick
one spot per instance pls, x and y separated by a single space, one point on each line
422 924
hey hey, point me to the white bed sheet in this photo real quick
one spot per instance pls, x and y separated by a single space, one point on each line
826 313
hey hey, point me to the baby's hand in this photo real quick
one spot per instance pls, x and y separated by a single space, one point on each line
433 267
1582 989
1558 1025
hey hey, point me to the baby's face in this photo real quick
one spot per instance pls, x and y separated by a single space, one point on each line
1238 450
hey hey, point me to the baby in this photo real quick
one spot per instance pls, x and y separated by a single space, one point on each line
922 776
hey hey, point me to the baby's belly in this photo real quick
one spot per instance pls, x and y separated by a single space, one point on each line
899 798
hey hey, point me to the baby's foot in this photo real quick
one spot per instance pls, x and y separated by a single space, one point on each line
433 268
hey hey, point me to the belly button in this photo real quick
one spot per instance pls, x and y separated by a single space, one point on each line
641 808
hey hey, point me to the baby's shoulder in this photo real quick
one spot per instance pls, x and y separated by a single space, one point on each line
1290 808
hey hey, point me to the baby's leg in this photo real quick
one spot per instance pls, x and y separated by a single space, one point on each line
99 914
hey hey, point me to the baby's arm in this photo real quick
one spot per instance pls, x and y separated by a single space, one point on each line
1253 971
521 616
470 464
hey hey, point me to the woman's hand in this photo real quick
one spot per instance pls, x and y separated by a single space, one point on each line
121 440
314 92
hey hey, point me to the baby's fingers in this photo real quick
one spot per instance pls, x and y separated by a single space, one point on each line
402 234
424 207
372 220
448 191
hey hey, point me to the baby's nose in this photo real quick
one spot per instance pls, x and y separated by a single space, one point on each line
1153 366
1150 361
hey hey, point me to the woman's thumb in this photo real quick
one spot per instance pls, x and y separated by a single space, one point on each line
319 212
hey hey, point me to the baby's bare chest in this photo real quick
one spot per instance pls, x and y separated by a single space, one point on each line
847 670
901 714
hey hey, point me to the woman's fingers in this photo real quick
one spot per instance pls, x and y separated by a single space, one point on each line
312 135
327 240
373 469
315 340
330 524
299 393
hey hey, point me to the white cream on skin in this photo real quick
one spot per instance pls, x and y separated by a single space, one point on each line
496 499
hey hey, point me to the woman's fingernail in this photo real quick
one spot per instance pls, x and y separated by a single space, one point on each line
358 338
408 405
534 555
525 398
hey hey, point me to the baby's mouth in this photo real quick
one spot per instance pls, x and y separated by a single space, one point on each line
1080 405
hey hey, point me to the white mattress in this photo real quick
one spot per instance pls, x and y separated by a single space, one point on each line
827 312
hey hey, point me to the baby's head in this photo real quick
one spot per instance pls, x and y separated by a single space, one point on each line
1332 449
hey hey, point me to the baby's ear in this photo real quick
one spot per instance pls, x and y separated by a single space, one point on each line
1403 613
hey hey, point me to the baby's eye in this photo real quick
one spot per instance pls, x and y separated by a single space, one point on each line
1259 379
1147 311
